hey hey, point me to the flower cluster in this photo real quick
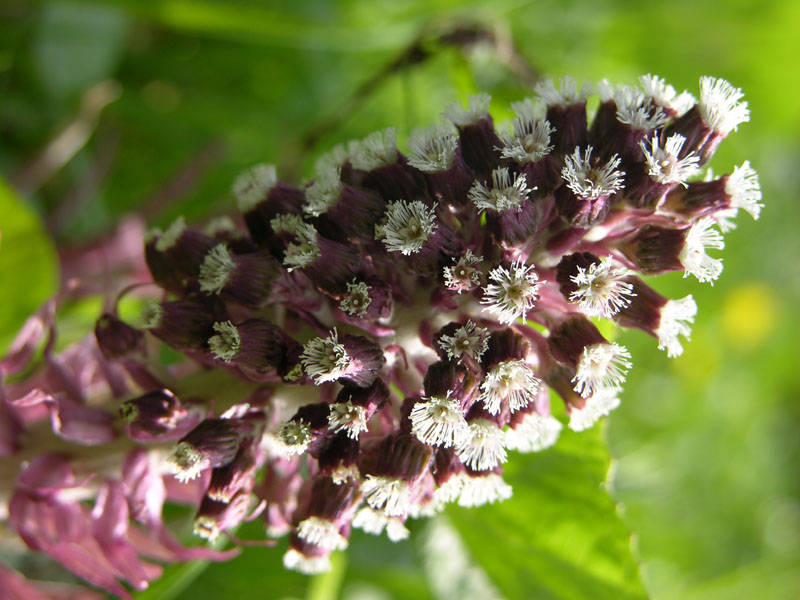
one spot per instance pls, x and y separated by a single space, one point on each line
396 327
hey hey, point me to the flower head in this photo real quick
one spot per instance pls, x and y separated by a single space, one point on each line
664 164
529 139
325 359
601 291
408 226
426 374
512 293
438 421
505 193
464 275
693 256
588 180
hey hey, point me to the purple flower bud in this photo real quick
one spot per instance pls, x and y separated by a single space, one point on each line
351 359
342 210
566 111
595 285
393 471
118 340
228 480
355 406
739 189
155 415
435 152
214 517
261 197
306 430
257 347
325 520
598 364
213 443
182 324
175 255
657 250
247 278
584 200
477 139
338 458
305 557
383 169
660 317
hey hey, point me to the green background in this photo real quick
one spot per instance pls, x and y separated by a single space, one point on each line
705 447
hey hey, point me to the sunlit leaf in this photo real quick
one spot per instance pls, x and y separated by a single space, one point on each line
559 536
28 265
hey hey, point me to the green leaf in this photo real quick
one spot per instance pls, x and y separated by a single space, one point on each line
559 536
174 581
77 45
28 265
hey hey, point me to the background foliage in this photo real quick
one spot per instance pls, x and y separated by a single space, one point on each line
108 108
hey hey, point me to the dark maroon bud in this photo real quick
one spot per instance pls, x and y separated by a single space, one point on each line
118 340
354 407
342 210
366 300
569 267
350 359
261 197
224 230
591 185
644 310
446 377
504 345
246 278
544 175
306 430
366 360
182 248
691 126
213 443
581 212
662 318
372 398
330 265
446 468
259 348
570 124
656 249
335 267
642 190
306 557
154 413
477 139
604 125
331 501
396 180
517 227
740 189
435 152
226 481
401 456
598 366
568 340
183 324
214 517
338 457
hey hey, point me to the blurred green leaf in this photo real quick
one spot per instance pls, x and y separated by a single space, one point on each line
174 581
28 264
77 45
559 536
